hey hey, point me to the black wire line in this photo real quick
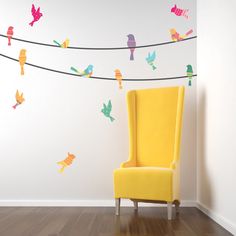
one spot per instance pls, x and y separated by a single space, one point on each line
95 77
101 48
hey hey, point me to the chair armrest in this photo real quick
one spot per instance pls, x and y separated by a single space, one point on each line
128 164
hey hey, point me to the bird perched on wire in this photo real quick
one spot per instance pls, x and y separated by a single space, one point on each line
19 99
119 77
150 59
65 44
10 34
22 60
85 73
131 44
177 37
67 162
107 110
189 74
36 14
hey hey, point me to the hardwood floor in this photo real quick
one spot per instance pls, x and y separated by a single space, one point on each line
101 221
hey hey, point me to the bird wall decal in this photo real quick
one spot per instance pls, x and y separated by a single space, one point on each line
66 162
131 44
19 99
22 60
150 59
189 74
85 73
10 34
36 14
107 110
180 12
119 77
65 44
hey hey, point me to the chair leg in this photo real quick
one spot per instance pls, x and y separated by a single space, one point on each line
135 205
117 206
169 210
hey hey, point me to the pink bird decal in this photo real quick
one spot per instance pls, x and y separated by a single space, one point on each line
180 12
10 34
36 14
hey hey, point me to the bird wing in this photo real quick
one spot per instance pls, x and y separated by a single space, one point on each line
17 95
33 10
109 106
153 56
67 42
74 69
104 106
148 57
86 71
38 10
21 98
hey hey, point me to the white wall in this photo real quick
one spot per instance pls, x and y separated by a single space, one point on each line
216 106
62 113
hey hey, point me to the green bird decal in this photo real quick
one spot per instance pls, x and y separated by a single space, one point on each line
189 74
107 110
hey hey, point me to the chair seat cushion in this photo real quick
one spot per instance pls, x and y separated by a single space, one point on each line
147 183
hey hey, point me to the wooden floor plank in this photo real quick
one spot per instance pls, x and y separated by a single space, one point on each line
101 221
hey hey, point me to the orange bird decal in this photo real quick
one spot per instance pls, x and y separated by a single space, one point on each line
22 60
19 99
119 77
67 162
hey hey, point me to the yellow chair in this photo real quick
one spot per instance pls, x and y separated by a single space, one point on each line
152 172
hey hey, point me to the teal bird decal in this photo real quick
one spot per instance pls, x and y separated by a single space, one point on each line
189 74
150 59
85 73
107 110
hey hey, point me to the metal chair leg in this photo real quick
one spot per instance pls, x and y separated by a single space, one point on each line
117 206
169 210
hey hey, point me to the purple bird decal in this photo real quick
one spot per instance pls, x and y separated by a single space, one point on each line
131 44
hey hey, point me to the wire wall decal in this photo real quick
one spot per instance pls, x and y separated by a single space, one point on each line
96 77
99 48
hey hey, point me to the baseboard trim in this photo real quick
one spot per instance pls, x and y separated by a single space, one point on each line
228 225
81 203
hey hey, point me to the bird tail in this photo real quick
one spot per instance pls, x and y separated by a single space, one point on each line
62 166
154 67
190 83
120 85
131 55
74 69
9 41
189 32
22 70
58 44
62 169
31 23
111 118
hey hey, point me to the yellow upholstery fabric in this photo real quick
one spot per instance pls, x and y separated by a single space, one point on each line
152 171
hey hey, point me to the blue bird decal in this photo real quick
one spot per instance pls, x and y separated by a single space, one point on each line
150 59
